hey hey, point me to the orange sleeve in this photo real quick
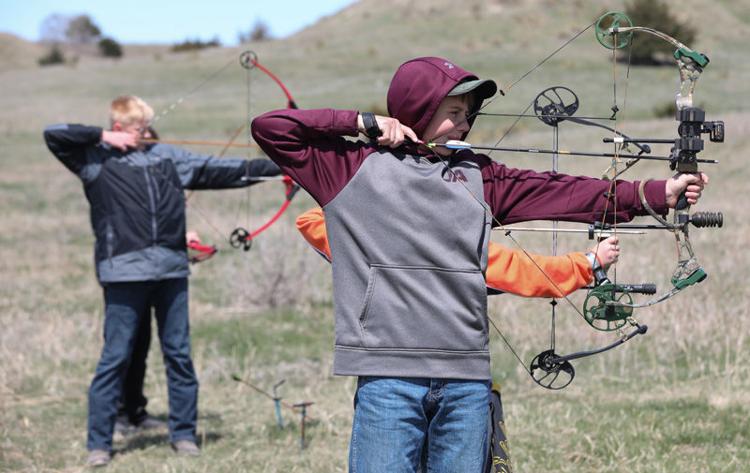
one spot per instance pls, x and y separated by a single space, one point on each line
312 226
513 272
508 270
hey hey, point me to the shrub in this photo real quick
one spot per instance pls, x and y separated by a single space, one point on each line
667 109
108 47
650 50
189 45
54 56
259 32
82 30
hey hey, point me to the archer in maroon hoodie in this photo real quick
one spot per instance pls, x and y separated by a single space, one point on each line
409 227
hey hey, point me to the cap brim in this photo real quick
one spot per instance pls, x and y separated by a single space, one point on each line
482 88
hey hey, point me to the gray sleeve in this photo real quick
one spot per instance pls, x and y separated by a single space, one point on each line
207 172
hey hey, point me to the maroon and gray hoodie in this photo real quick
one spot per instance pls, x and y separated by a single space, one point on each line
408 242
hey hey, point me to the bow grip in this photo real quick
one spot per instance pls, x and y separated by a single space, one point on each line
682 202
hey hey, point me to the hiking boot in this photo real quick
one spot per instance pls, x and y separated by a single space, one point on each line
123 428
186 448
98 458
149 422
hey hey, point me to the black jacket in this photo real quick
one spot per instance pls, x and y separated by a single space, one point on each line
137 199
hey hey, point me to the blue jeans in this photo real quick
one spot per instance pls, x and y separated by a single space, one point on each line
125 305
402 423
133 403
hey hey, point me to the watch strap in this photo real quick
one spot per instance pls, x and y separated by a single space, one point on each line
372 130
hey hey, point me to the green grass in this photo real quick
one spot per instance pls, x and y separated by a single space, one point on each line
674 400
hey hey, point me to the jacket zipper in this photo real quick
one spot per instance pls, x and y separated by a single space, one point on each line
152 203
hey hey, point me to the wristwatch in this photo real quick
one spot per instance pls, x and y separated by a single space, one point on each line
372 130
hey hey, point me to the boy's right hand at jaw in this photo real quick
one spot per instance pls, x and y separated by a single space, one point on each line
120 139
393 133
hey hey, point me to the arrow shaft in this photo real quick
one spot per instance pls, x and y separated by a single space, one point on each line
201 143
568 153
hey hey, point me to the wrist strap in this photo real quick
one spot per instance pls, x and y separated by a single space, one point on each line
372 130
600 276
593 260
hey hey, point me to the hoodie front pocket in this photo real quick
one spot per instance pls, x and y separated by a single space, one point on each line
417 307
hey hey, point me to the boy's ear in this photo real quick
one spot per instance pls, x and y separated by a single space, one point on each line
116 126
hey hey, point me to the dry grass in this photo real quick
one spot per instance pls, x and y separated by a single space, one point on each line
674 400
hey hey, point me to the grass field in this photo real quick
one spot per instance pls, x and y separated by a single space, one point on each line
672 401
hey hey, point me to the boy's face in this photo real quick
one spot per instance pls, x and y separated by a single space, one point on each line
138 129
449 122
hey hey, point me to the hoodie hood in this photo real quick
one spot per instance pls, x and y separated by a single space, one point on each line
419 86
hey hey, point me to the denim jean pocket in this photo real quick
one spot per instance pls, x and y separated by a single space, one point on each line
420 307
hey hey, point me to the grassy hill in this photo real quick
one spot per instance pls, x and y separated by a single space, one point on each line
675 400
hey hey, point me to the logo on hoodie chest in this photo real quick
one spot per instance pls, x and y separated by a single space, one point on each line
455 175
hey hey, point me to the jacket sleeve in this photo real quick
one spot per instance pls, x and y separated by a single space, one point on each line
508 270
513 272
312 226
310 146
69 143
517 195
198 171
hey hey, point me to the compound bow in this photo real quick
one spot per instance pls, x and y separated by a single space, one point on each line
608 306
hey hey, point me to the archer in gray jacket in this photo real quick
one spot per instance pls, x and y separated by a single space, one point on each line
138 218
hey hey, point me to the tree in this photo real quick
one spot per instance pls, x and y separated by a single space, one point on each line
53 27
54 56
82 30
648 49
108 47
194 45
259 32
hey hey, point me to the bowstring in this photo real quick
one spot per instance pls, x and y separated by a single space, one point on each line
175 104
166 111
618 148
501 93
248 109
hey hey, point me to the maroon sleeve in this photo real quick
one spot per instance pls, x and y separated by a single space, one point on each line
517 195
309 146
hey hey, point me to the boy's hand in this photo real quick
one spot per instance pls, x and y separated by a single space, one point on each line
120 139
607 251
691 184
393 132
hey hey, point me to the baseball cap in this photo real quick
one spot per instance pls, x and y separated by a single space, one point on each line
483 88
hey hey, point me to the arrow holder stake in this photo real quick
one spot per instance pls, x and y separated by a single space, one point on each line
303 417
277 404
